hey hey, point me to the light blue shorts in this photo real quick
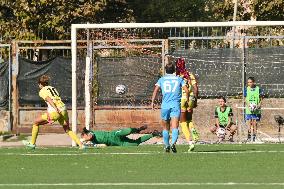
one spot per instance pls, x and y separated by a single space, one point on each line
168 113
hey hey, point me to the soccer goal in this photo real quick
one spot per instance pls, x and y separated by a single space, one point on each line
126 59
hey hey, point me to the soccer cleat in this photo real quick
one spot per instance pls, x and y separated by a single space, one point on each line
167 149
195 135
173 148
28 144
157 133
144 127
191 148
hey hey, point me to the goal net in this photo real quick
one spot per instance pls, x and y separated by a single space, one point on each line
221 54
270 129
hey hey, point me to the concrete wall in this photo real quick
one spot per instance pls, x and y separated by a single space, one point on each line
113 119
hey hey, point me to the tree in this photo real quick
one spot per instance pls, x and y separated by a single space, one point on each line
169 10
264 10
205 10
268 10
51 19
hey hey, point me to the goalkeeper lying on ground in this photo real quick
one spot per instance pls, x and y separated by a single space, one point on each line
116 137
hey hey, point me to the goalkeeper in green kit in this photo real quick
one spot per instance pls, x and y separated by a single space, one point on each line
116 137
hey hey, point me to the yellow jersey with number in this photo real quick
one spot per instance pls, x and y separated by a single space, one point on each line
189 83
51 92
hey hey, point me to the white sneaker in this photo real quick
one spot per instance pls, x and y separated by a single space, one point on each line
191 148
28 144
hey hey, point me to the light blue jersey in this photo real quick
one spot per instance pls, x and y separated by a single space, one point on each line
171 87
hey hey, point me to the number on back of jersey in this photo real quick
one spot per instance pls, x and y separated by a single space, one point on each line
53 92
170 86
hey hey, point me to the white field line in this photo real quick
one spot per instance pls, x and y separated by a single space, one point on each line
137 153
146 184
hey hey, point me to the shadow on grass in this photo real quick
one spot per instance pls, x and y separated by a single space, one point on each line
17 138
227 150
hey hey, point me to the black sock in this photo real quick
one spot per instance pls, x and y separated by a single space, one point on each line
249 136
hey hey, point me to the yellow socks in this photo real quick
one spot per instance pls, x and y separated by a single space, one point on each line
185 130
190 125
195 135
70 133
34 134
74 137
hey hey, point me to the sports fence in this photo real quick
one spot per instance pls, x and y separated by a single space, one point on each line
135 58
4 84
59 70
219 72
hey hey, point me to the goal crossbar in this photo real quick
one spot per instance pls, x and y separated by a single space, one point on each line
178 24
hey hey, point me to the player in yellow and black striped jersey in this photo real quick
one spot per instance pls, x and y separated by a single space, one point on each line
56 111
187 106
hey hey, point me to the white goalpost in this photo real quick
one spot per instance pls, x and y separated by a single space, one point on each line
177 34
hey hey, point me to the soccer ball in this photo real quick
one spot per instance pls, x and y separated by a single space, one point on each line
221 132
252 107
120 89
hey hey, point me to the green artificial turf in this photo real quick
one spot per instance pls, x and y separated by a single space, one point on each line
209 166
